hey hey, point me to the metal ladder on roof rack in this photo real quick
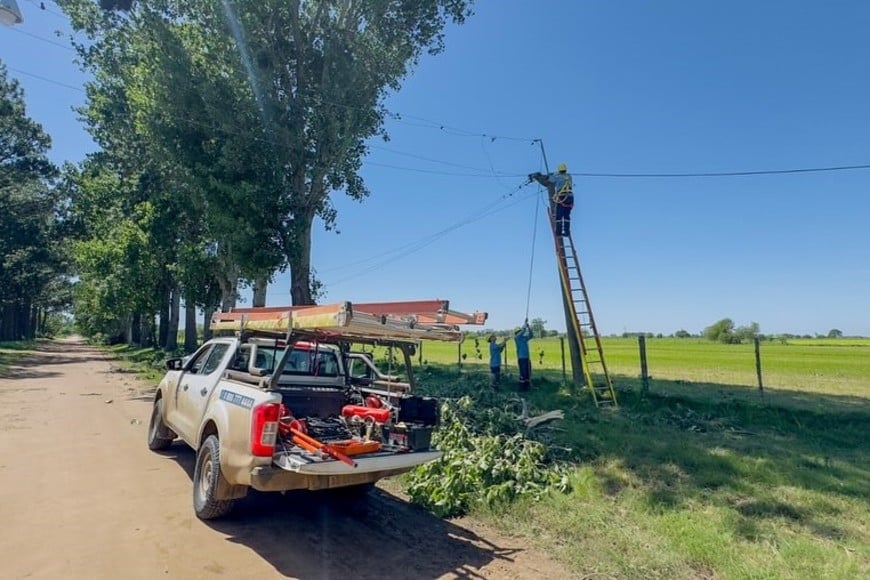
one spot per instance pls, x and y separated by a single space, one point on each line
583 323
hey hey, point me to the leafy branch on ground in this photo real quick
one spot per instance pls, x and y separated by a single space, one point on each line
489 458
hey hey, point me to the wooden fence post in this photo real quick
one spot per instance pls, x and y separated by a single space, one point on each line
459 354
564 371
758 366
644 374
420 354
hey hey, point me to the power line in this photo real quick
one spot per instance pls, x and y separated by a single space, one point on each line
448 163
46 79
44 8
414 247
437 172
430 124
488 207
739 173
728 173
263 140
43 39
432 236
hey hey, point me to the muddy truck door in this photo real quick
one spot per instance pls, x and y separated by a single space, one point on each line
199 379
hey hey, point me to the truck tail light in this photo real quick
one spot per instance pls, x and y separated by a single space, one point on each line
264 429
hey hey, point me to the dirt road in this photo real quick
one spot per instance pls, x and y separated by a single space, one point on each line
82 497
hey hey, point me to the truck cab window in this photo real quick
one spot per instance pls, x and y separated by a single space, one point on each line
194 367
215 358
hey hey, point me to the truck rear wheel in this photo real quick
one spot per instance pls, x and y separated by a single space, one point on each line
159 435
206 476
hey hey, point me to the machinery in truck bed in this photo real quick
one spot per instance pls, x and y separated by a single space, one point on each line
288 401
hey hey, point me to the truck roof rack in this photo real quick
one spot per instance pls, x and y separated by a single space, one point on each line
386 321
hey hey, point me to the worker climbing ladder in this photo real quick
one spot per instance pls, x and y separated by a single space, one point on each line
581 321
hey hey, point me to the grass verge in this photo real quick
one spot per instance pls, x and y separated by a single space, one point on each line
10 351
701 480
149 363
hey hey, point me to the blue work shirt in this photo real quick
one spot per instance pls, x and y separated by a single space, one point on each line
522 342
495 353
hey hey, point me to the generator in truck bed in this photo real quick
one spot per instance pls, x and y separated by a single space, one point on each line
291 399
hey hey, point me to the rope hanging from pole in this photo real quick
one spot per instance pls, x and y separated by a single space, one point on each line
535 232
532 260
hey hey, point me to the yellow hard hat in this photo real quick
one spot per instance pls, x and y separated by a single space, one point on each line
562 168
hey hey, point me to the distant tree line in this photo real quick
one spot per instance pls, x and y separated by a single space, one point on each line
724 331
34 288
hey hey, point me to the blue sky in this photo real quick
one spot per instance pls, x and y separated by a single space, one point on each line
610 87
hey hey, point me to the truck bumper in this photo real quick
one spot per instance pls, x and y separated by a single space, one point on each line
332 474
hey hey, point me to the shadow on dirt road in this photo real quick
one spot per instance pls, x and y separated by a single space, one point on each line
330 534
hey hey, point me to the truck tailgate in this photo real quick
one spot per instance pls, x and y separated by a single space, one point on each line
371 462
288 473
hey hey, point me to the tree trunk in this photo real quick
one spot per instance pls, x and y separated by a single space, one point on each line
189 325
136 329
163 324
24 321
6 322
229 292
174 315
148 330
206 323
300 266
34 321
261 284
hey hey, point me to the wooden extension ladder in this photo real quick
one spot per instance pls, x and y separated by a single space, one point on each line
582 321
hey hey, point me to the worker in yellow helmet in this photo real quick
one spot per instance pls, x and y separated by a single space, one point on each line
561 189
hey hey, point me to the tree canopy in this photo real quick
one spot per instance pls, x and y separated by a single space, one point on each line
724 331
32 262
243 119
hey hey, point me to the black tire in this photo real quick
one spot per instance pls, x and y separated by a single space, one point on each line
159 435
206 476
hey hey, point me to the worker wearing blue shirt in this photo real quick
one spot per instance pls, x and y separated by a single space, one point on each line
560 186
495 350
521 338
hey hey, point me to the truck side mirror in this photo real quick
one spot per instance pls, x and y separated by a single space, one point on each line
174 364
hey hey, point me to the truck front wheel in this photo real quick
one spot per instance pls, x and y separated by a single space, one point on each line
206 477
159 435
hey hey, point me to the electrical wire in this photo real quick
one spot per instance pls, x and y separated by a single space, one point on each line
614 175
448 163
532 259
44 8
46 79
486 209
419 245
43 39
728 173
434 171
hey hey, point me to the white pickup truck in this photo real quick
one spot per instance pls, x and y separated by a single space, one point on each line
278 411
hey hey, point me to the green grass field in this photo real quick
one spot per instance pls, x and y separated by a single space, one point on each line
703 478
833 366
